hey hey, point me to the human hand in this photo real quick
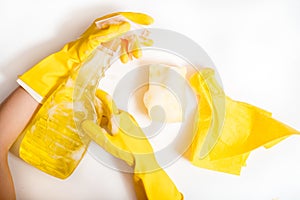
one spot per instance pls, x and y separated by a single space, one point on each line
120 135
52 70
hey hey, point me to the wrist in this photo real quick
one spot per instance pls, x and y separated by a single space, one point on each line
145 163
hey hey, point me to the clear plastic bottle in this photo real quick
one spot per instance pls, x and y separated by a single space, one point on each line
52 141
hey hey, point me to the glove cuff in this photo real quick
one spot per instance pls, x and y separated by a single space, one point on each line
30 91
155 185
43 79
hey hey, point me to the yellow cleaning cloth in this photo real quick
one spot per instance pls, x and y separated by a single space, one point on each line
244 128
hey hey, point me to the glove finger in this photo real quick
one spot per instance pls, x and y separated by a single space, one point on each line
108 33
138 18
124 55
107 16
136 48
96 133
128 50
112 145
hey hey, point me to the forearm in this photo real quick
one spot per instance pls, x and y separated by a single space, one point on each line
7 191
15 113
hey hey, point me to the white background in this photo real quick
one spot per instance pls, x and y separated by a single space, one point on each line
255 46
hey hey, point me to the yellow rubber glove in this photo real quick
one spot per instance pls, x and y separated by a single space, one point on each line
245 128
129 143
44 77
50 141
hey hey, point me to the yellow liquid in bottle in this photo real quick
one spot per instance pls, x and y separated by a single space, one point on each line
53 141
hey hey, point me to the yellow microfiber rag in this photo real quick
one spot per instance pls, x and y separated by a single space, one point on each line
243 129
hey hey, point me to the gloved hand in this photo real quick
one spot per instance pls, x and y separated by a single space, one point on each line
50 141
128 142
44 77
243 129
